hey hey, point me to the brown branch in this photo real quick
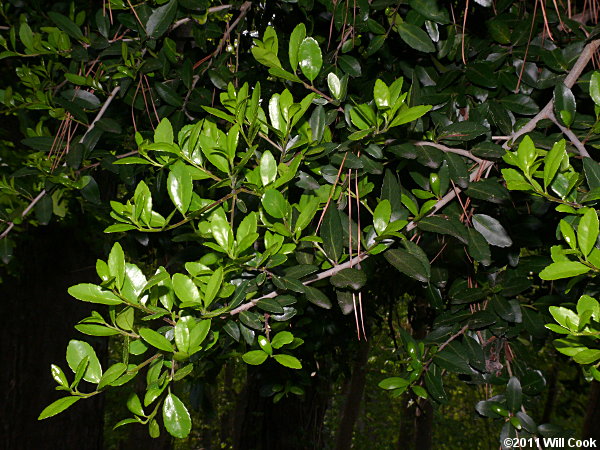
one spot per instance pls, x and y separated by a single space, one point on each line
547 113
244 8
444 148
43 192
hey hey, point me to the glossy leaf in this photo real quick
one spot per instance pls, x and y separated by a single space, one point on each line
563 269
587 231
156 339
268 168
296 39
407 264
185 288
94 294
160 19
415 37
255 357
332 233
76 352
491 230
179 186
310 58
513 394
275 203
176 417
116 264
288 361
57 407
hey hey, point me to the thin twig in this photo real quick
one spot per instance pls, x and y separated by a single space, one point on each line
43 192
444 148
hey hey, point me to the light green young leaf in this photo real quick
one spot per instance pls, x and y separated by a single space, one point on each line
255 357
156 339
76 352
288 361
116 264
57 407
180 186
568 233
335 86
268 168
176 417
275 203
552 161
381 94
164 131
213 286
382 216
94 294
310 58
185 288
587 231
296 39
563 269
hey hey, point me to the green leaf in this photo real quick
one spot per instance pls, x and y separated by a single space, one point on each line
156 339
296 39
409 114
270 305
268 168
213 286
26 36
335 86
76 352
317 123
282 338
491 230
407 264
553 160
513 394
595 88
288 361
382 216
564 103
478 247
66 25
111 374
180 186
317 297
563 269
164 132
381 94
441 225
57 407
160 19
255 357
415 37
134 405
95 330
592 172
332 233
394 383
275 203
349 278
587 231
310 58
265 345
176 417
94 294
59 375
588 356
185 288
116 264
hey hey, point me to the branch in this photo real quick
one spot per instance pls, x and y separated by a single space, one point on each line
212 9
243 11
444 148
43 192
574 139
547 113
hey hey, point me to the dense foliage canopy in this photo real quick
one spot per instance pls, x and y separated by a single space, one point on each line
280 180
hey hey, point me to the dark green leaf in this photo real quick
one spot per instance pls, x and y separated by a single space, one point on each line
351 278
66 25
160 19
492 230
408 264
332 233
415 37
317 297
513 394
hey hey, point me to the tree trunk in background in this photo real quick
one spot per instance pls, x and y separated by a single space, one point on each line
38 318
591 424
353 399
294 423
